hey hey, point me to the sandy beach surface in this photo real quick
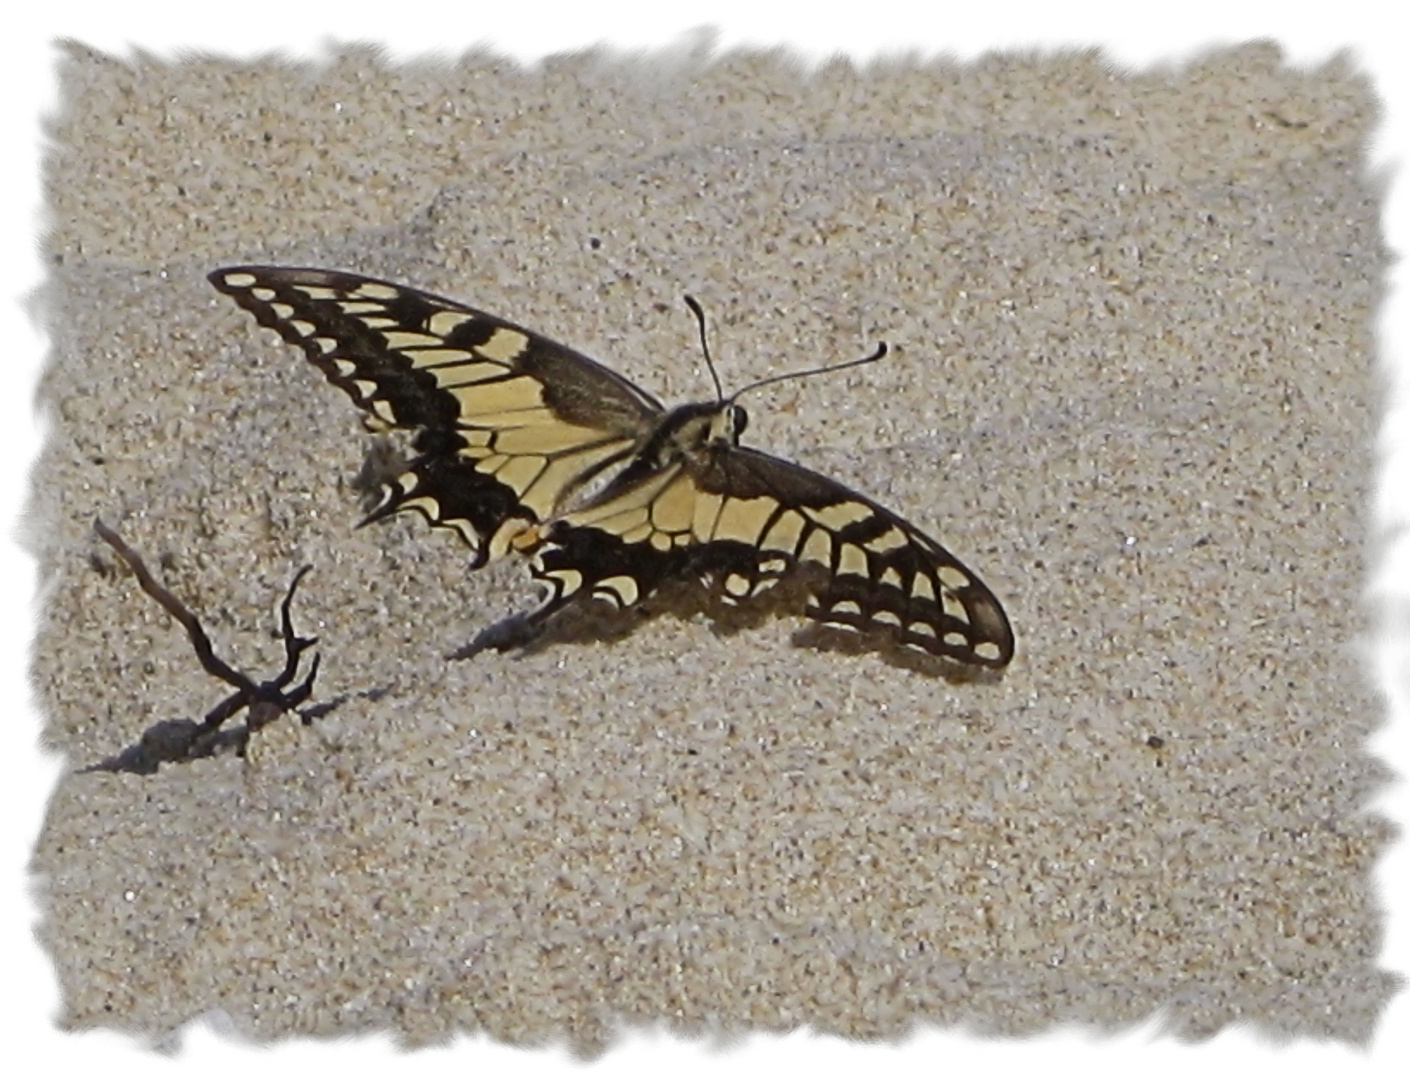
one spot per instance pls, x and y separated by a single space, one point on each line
1131 383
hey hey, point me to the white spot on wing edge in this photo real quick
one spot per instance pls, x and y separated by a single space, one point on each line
567 581
952 577
443 322
737 585
383 408
621 590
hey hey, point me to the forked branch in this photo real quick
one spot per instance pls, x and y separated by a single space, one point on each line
182 740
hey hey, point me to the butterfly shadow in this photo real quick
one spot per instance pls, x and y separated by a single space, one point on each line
594 621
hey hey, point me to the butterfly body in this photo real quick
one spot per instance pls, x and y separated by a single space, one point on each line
517 441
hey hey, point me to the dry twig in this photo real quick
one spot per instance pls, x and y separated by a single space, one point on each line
183 740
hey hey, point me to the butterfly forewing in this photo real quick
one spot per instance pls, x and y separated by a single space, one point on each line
511 423
743 520
879 571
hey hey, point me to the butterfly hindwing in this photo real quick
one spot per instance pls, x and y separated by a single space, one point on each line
510 423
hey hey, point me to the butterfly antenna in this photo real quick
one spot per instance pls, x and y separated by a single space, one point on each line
691 303
881 350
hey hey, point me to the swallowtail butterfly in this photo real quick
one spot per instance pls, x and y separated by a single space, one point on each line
516 437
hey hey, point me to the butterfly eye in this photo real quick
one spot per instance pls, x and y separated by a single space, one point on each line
741 419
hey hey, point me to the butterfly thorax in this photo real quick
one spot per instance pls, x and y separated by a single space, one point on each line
690 432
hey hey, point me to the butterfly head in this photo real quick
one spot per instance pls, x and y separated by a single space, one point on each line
728 424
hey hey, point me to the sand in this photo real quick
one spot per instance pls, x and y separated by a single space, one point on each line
1132 384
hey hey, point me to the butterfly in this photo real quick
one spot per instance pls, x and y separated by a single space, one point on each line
517 441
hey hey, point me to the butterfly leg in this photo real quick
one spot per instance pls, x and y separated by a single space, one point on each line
562 584
513 632
572 562
517 630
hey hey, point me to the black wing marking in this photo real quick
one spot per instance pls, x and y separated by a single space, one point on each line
744 520
511 423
